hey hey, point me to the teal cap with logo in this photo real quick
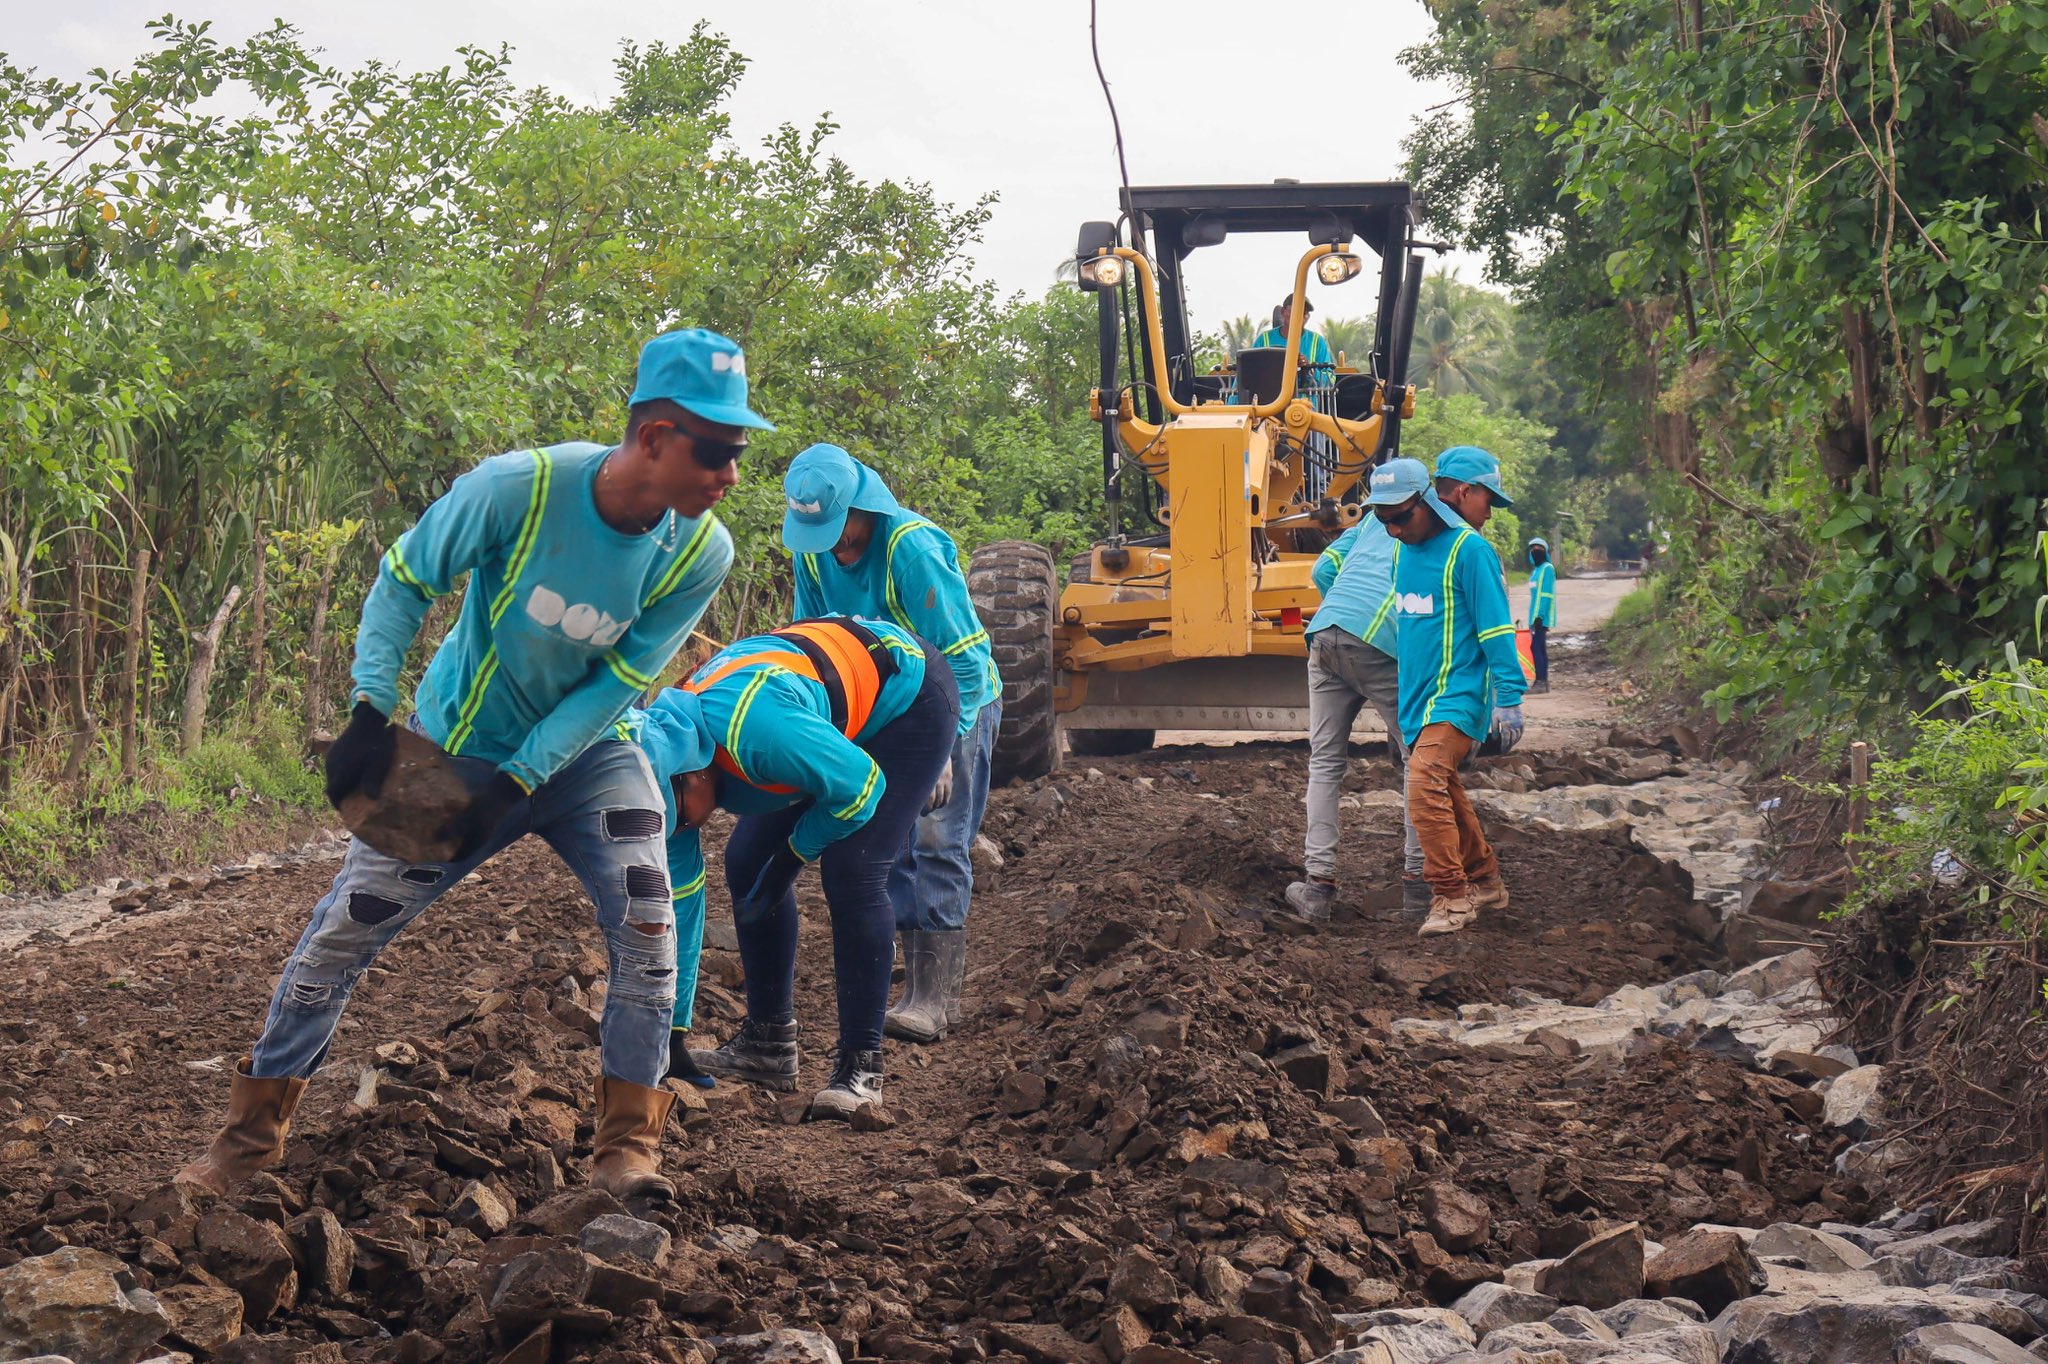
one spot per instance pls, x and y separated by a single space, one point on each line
822 485
1470 464
701 372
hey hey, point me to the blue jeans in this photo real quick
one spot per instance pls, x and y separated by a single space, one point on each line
932 883
1539 651
911 751
603 815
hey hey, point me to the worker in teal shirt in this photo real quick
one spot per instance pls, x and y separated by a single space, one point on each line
1460 677
1542 611
1351 664
587 567
859 552
1318 364
829 735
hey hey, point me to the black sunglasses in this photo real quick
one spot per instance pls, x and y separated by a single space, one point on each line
1401 515
709 454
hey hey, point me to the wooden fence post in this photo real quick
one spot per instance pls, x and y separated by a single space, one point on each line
131 664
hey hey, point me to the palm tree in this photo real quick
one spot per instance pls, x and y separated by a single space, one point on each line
1350 339
1461 336
1239 333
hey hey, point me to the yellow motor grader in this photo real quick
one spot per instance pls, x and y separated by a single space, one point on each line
1188 614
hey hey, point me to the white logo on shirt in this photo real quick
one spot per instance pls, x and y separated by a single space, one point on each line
723 361
583 623
1415 604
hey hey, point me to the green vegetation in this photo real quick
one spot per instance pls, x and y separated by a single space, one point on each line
1786 261
242 352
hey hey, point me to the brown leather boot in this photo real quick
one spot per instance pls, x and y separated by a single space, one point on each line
627 1160
259 1116
1492 893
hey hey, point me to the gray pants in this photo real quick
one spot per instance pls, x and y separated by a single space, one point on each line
1344 673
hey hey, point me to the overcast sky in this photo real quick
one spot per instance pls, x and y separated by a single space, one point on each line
971 96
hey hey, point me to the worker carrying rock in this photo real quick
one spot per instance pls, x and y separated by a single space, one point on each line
829 735
1460 677
588 568
1542 612
1351 664
858 552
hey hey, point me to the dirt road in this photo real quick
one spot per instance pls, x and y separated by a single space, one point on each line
1159 1079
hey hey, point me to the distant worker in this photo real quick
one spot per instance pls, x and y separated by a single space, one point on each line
1320 365
860 553
1460 677
1351 663
1542 612
588 566
830 736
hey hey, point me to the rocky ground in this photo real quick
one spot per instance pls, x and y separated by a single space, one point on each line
1610 1123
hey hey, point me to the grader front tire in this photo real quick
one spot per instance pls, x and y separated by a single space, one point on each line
1016 594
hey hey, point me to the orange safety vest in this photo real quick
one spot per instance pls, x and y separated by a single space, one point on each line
845 657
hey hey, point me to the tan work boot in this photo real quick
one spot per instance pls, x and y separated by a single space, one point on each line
1492 893
1448 915
626 1161
259 1116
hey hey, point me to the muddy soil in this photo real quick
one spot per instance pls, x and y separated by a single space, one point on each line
1163 1087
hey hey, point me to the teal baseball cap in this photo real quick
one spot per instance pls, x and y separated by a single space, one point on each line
822 485
701 372
1470 464
1395 482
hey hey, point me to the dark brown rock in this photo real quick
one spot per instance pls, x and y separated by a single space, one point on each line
1459 1220
539 1286
204 1318
1711 1268
1043 1343
1021 1092
1606 1270
1140 1280
251 1257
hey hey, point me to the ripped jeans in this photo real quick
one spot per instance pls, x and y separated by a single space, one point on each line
603 815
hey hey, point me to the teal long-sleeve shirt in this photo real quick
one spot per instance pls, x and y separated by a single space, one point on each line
1543 595
1456 634
1356 577
911 575
1314 349
776 725
565 620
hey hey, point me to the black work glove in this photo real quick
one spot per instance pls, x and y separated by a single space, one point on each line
771 885
361 757
479 819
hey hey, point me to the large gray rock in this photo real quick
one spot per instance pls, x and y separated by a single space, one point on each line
1855 1329
1871 1163
1600 1273
1852 1102
2033 1304
783 1345
1580 1323
1491 1306
1773 975
82 1304
1934 1264
1640 1315
1417 1335
1817 1250
1688 1343
1990 1237
1954 1344
1865 1239
617 1235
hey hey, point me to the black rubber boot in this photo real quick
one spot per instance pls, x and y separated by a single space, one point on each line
681 1065
856 1083
762 1054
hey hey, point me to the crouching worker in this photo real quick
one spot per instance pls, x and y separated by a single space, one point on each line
1455 632
588 567
830 735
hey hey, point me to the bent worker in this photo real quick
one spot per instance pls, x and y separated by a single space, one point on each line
588 567
860 553
830 736
1460 678
1351 664
678 745
1542 611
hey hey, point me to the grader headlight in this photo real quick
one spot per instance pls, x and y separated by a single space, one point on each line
1104 272
1337 267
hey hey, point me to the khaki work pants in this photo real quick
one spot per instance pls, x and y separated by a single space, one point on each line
1455 852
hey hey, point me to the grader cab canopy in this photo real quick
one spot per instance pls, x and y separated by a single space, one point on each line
1224 476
